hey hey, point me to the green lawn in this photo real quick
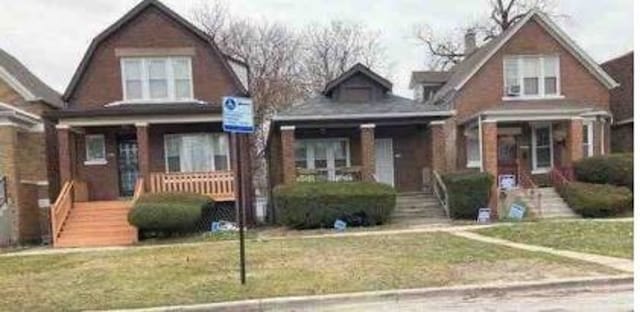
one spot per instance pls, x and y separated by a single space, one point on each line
605 238
209 272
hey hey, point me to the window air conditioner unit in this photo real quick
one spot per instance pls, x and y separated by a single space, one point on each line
513 90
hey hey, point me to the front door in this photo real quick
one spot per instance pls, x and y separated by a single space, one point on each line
507 155
384 161
127 166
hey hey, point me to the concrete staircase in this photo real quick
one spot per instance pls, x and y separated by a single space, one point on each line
417 209
552 205
98 223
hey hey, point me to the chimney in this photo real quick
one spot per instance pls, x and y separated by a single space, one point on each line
469 41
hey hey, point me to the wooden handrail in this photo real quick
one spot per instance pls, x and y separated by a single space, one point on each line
138 190
219 185
440 190
558 179
60 209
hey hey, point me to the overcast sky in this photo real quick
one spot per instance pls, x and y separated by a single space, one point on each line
50 36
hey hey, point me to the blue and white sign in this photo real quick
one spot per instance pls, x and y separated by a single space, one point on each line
507 182
516 212
237 115
340 225
484 215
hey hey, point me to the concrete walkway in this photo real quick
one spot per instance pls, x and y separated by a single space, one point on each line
624 265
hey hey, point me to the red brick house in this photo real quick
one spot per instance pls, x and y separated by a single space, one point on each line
142 113
24 187
526 103
621 69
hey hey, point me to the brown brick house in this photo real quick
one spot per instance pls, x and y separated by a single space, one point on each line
25 190
143 113
524 105
621 69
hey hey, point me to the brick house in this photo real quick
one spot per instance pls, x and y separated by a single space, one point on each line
526 103
142 114
23 166
621 69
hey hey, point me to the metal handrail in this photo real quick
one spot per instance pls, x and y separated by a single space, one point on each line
440 190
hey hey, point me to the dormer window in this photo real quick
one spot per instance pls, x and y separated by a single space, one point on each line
156 78
531 76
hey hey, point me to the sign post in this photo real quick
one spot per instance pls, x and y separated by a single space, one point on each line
237 119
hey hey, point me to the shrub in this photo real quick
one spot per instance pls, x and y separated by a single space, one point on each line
615 169
468 191
597 200
168 213
319 204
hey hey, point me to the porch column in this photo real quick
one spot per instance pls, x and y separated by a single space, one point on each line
142 137
367 152
574 140
438 146
490 160
65 167
287 137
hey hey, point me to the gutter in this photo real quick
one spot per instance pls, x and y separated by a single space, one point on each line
366 116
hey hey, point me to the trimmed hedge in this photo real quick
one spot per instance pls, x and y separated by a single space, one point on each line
319 204
597 200
169 213
468 191
615 169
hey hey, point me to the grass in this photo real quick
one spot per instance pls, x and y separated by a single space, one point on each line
604 238
206 273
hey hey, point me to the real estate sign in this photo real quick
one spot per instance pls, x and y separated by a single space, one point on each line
237 115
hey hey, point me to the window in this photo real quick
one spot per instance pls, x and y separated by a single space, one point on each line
157 78
587 139
473 148
324 155
542 148
95 149
531 76
196 152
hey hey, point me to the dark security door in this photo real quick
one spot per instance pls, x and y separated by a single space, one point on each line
127 166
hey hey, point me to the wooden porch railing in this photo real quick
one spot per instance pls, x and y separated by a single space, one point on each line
61 208
440 190
138 190
558 177
338 175
219 185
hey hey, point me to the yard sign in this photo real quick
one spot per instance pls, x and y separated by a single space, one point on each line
237 115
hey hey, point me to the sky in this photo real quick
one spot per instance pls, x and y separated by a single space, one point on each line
51 36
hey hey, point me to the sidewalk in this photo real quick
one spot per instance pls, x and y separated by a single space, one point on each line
620 264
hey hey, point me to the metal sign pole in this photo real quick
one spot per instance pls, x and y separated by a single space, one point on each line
237 154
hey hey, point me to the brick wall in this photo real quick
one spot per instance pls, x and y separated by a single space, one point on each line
485 89
621 70
101 82
623 142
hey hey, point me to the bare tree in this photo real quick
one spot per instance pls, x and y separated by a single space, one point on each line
446 51
332 49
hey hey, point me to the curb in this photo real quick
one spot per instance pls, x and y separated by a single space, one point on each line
295 302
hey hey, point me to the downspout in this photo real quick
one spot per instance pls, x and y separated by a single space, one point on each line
480 143
602 125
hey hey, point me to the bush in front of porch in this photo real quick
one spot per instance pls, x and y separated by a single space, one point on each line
597 200
468 191
614 169
318 205
164 214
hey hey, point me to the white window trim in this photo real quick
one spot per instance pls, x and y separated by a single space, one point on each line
534 145
589 124
474 163
330 155
213 163
97 161
541 95
146 98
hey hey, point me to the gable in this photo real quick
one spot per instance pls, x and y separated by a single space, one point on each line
150 25
358 88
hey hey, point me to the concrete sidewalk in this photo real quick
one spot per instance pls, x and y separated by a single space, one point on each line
396 297
620 264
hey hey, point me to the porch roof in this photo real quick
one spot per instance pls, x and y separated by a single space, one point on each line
533 110
390 106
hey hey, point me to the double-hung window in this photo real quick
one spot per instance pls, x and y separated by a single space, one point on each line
473 148
326 156
156 78
531 76
196 152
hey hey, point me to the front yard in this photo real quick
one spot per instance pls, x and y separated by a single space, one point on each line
609 238
209 272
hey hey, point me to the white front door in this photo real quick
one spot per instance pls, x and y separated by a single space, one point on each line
384 161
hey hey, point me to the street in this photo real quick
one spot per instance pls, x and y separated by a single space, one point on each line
615 298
